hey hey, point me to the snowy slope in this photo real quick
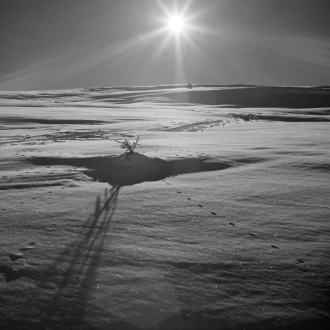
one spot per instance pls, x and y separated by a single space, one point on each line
220 220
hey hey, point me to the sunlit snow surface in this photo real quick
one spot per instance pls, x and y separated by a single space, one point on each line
220 220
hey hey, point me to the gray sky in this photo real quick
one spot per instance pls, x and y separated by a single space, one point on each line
54 44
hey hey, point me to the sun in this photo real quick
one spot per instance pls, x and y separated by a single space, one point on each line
176 24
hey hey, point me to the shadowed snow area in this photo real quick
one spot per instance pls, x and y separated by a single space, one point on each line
255 96
127 170
218 220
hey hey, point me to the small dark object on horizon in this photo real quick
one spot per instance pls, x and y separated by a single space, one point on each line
190 86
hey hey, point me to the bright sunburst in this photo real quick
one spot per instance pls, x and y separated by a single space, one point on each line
176 24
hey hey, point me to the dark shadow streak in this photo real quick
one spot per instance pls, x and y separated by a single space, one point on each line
74 271
70 278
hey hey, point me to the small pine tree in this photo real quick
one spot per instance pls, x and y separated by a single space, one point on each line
129 146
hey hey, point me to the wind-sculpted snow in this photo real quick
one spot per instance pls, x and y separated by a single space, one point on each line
12 120
279 117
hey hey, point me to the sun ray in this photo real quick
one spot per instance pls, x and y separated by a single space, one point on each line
179 65
160 49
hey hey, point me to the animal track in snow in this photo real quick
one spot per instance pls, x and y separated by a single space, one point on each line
234 225
200 205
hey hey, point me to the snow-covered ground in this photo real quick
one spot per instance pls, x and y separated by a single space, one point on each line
220 220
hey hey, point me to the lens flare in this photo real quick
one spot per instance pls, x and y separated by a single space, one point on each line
176 24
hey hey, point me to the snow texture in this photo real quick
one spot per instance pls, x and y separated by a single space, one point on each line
218 220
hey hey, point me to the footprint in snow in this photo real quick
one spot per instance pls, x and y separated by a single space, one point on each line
31 245
200 205
15 256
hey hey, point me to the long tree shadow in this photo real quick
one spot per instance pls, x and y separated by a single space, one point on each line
76 267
